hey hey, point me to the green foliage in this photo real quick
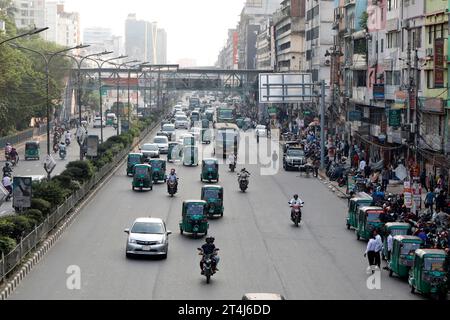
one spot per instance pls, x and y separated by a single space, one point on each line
51 191
35 216
86 170
22 81
363 20
7 244
6 228
22 226
42 205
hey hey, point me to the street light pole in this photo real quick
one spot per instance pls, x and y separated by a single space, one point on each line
29 33
47 61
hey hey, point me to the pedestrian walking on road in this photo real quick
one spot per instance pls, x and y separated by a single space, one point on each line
390 246
370 252
429 200
385 175
423 179
274 159
378 248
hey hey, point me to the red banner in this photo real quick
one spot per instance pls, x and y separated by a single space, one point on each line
439 63
235 48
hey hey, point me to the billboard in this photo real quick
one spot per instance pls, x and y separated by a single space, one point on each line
439 63
22 192
285 87
92 146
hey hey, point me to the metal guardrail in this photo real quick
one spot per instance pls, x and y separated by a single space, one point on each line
17 138
11 260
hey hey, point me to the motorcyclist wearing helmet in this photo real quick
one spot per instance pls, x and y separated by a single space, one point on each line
172 177
243 173
8 149
209 248
7 170
295 201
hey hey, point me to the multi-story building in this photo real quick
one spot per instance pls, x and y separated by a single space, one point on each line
64 27
265 52
29 13
101 39
228 56
253 15
289 34
144 41
161 44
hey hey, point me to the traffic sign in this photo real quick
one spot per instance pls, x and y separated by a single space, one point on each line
49 163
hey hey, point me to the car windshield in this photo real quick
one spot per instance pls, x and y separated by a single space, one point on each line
210 163
134 158
150 147
168 128
181 118
434 264
261 127
399 232
194 209
226 113
148 227
31 146
409 248
160 140
141 170
295 153
211 193
373 216
156 164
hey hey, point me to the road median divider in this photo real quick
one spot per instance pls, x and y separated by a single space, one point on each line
53 202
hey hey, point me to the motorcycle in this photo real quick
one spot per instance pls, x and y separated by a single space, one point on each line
243 182
172 187
62 154
296 214
7 155
207 264
14 160
232 166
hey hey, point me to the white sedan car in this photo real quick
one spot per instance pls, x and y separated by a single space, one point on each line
163 144
150 150
261 131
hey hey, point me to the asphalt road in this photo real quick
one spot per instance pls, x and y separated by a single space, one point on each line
36 167
261 250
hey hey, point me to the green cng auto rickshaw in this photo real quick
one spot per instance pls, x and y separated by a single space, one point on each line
134 159
368 221
175 152
205 123
210 170
159 170
32 150
402 255
190 156
206 136
213 195
360 200
427 274
396 229
142 178
240 122
194 218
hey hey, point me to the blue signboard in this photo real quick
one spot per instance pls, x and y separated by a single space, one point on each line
378 91
355 116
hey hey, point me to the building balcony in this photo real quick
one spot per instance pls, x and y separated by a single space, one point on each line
348 3
359 94
359 62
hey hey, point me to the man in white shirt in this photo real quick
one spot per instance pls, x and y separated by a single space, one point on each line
370 252
390 244
7 183
362 165
378 248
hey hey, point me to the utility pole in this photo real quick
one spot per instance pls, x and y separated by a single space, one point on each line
322 125
416 107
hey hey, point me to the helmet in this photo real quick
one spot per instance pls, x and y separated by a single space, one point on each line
210 239
172 170
8 144
7 164
295 196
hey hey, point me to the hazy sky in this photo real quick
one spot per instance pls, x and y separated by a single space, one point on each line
196 28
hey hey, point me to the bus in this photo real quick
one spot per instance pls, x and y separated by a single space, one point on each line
226 114
226 140
194 103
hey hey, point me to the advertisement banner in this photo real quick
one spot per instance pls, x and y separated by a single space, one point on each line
407 193
92 146
395 117
22 192
417 197
439 63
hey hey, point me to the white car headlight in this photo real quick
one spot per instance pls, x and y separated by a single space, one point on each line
132 241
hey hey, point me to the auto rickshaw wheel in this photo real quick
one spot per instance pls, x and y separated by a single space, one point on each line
348 226
390 273
357 236
133 188
413 290
181 230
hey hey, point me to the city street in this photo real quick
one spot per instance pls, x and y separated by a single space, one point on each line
36 167
261 249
